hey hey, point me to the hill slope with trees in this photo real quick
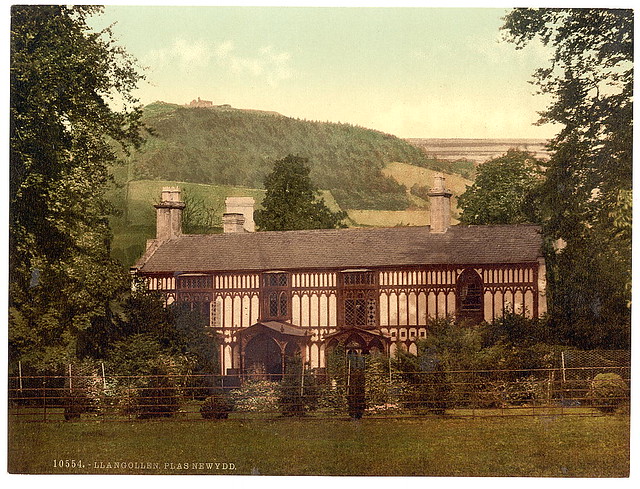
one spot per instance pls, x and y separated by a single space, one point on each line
225 146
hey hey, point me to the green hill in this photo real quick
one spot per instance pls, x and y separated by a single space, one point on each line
226 146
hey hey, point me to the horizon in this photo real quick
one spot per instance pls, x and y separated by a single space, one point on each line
427 73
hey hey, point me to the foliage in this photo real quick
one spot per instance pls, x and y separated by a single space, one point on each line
198 217
512 328
333 394
257 396
151 382
216 406
608 392
501 191
584 197
450 344
425 384
292 200
196 145
64 79
377 384
356 394
298 392
159 396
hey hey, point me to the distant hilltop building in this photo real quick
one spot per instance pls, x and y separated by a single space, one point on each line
200 103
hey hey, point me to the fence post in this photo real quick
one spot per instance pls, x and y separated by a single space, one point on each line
20 375
104 379
70 386
302 378
44 399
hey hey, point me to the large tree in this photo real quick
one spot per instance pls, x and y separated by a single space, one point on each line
501 192
292 200
585 198
65 82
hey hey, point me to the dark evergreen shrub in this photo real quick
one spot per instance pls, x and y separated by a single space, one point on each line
356 396
159 398
217 406
298 391
75 403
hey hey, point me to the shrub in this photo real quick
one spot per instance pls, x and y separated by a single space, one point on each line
377 382
356 400
298 391
256 396
426 392
332 396
608 392
217 406
75 403
159 398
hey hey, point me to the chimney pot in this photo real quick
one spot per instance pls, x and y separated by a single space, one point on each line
244 206
233 222
169 214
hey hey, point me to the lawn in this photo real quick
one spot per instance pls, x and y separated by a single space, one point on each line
543 446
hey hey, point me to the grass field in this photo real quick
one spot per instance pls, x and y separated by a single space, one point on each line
377 218
418 215
544 446
408 175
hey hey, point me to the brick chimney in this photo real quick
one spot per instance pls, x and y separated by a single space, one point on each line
440 203
233 222
244 206
169 214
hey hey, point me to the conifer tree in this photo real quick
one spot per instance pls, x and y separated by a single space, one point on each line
292 200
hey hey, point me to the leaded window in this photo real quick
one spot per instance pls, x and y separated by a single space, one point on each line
276 293
195 282
359 295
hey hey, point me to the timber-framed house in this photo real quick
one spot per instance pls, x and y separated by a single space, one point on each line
273 295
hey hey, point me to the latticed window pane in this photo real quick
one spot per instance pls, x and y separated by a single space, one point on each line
276 280
361 312
273 305
284 304
471 297
372 319
215 315
349 312
204 282
355 312
358 278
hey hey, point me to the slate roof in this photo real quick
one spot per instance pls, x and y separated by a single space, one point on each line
343 248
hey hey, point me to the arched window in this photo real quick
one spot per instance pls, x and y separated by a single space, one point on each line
469 296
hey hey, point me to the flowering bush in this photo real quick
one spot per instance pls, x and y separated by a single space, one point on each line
256 396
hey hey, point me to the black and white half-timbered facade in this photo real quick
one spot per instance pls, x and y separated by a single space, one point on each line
272 295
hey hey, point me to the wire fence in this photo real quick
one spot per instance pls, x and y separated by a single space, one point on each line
355 393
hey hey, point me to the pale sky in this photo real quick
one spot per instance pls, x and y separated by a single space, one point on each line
411 72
